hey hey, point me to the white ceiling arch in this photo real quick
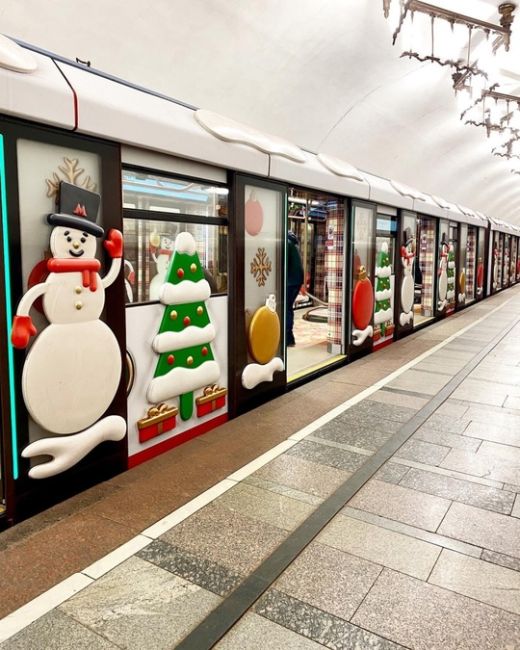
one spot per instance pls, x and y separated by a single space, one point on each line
323 75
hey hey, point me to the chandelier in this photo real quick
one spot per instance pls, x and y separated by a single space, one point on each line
430 33
496 111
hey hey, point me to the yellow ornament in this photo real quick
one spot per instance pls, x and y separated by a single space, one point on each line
264 334
155 239
173 314
189 361
462 281
193 267
200 311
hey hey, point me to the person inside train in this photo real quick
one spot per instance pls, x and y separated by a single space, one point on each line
294 282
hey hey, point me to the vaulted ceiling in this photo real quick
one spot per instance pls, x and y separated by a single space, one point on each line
323 74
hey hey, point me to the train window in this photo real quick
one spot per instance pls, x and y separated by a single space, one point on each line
471 262
145 191
149 246
424 270
481 259
506 260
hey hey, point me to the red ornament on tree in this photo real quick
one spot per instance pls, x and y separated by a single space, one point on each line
204 351
186 320
180 273
170 359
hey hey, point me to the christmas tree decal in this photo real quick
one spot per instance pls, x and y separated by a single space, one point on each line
186 361
383 292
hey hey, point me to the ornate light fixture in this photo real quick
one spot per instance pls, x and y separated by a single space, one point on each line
496 111
431 33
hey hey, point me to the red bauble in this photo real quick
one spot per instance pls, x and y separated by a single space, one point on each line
204 351
180 273
363 303
186 320
254 217
170 359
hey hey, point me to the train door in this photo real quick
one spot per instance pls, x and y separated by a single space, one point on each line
384 279
480 277
452 272
514 258
407 272
315 272
464 274
471 268
518 259
176 285
257 284
425 275
362 277
496 261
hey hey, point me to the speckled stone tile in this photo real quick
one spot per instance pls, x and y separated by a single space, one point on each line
301 474
329 579
442 423
422 616
391 473
362 434
485 582
493 432
211 576
501 559
380 411
494 415
387 397
56 631
482 464
271 508
482 392
447 439
402 504
226 537
140 606
326 455
455 489
490 530
516 508
255 632
421 382
326 629
453 409
381 546
423 452
284 490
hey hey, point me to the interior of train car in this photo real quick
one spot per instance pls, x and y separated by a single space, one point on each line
215 275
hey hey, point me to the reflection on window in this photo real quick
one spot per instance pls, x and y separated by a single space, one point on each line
149 246
145 191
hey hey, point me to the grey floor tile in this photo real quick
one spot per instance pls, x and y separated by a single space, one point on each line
271 508
490 530
56 631
486 465
381 546
475 390
506 452
284 490
391 473
211 576
358 434
443 423
483 581
423 452
381 411
516 507
325 455
447 439
450 472
501 559
326 629
228 538
422 382
453 409
255 632
494 415
455 489
329 579
496 433
512 402
305 475
402 504
386 397
422 616
140 606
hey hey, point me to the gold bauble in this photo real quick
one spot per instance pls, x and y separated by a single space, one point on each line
264 335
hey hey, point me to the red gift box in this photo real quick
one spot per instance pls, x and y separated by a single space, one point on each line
212 398
159 419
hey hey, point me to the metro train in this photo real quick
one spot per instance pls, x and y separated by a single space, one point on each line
145 271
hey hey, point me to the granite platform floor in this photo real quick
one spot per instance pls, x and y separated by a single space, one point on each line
424 553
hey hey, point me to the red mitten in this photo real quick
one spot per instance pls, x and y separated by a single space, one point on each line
114 243
131 277
23 329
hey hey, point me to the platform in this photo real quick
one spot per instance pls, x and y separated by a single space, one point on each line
375 507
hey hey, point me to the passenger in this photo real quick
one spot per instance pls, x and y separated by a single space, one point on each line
294 282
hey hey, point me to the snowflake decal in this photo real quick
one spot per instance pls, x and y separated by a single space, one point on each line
70 172
261 267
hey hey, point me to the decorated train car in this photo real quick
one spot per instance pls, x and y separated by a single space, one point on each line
165 268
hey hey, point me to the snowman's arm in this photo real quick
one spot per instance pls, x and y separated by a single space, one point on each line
25 304
114 246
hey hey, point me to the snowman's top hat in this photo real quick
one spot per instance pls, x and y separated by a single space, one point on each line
78 208
408 237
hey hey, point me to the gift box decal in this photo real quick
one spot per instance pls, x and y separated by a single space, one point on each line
158 420
213 398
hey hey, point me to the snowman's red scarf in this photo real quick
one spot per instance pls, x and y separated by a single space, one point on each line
88 269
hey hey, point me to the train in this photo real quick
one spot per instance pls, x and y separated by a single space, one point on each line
146 251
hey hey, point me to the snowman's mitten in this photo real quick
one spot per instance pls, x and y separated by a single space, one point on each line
114 243
23 329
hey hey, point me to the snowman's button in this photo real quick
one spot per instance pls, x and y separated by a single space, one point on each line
78 289
78 304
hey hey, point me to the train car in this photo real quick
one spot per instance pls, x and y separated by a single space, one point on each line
148 291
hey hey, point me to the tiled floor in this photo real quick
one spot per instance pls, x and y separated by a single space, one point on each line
426 554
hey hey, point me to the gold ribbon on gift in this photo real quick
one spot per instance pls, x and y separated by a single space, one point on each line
211 393
157 414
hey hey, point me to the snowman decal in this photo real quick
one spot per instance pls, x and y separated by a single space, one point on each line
443 274
495 268
161 251
407 284
73 368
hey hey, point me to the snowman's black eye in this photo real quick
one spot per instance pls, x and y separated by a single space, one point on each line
82 240
84 235
69 238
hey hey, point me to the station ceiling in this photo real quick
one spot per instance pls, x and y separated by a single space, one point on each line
321 73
